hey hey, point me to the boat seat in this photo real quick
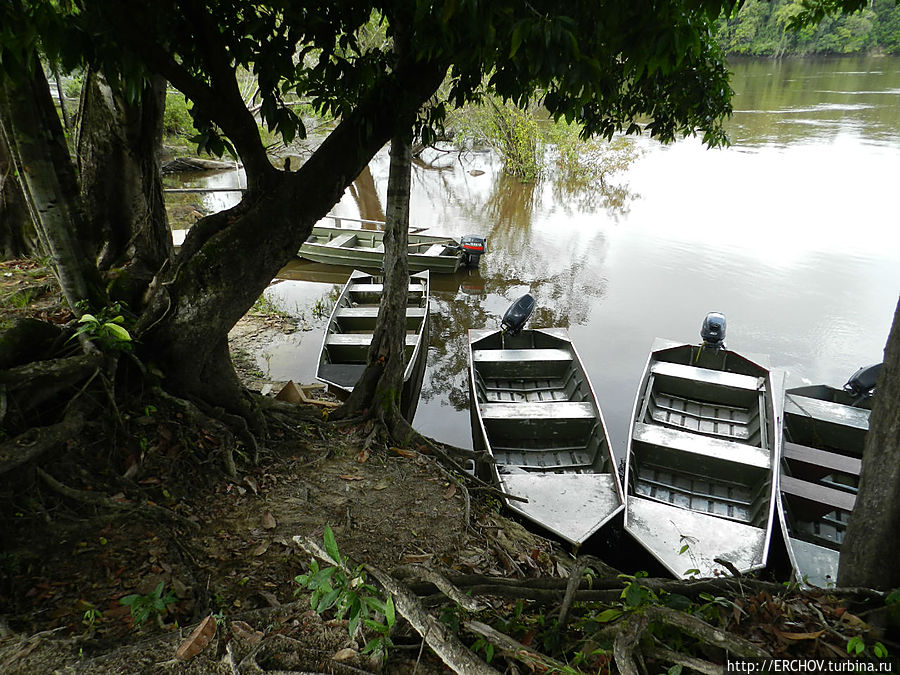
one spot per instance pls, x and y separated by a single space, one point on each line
372 312
827 411
344 375
717 377
360 340
414 287
815 492
822 458
675 439
435 249
515 355
341 240
542 410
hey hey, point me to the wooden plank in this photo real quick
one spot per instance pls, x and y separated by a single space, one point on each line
820 494
541 410
379 288
717 377
822 458
513 355
827 411
360 340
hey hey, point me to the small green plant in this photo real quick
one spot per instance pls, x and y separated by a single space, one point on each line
349 594
91 616
106 328
856 646
153 604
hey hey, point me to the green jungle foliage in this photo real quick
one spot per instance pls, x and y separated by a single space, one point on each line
762 28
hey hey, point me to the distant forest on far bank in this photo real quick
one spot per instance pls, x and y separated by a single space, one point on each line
761 29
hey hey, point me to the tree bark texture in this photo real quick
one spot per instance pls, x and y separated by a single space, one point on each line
381 384
118 163
229 258
38 146
17 236
869 550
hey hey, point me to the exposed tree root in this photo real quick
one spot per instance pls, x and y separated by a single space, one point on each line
532 659
33 443
92 498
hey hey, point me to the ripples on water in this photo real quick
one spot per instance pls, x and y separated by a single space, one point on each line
791 232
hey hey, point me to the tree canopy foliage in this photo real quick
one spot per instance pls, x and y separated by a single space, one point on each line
768 29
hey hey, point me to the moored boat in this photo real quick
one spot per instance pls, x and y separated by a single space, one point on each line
824 435
535 414
345 346
335 244
703 452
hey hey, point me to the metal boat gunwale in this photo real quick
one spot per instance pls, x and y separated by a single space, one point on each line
711 451
604 456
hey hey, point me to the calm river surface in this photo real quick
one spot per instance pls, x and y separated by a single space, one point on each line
792 233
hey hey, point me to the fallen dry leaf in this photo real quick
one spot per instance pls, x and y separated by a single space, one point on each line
268 521
344 654
363 456
450 491
197 641
347 476
799 636
403 453
259 550
245 633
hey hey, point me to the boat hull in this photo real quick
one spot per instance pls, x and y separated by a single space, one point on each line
345 346
535 415
702 459
824 435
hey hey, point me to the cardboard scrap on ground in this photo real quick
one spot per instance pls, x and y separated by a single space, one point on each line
293 393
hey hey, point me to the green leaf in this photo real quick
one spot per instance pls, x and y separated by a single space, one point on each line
608 615
880 650
88 317
390 615
331 547
327 600
117 332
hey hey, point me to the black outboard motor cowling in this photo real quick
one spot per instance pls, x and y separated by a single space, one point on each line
473 247
862 382
518 313
713 330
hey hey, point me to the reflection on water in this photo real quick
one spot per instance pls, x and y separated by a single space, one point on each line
791 232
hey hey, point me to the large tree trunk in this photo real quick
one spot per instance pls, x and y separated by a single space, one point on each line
869 550
380 386
229 258
38 147
118 162
17 237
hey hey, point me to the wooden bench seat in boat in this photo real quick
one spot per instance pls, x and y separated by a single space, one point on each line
521 363
515 355
341 240
818 493
827 411
675 439
571 457
716 377
822 458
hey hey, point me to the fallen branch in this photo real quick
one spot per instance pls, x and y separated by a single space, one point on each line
667 655
445 644
440 581
705 632
512 649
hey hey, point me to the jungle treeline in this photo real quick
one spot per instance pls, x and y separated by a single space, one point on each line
762 28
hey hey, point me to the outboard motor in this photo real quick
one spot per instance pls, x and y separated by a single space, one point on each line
473 248
713 331
862 382
518 313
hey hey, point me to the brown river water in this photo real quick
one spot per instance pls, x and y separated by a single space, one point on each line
792 232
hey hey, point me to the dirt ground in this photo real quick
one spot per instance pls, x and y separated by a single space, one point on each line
229 551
